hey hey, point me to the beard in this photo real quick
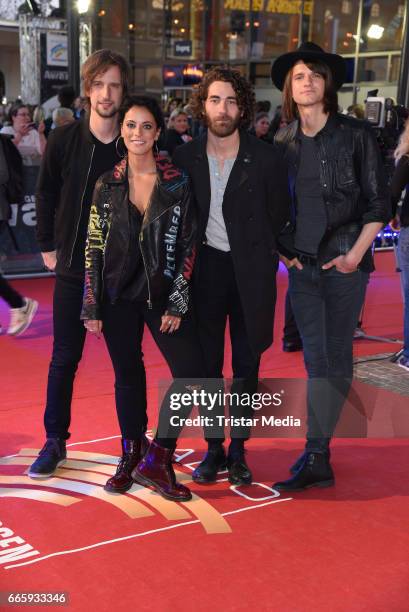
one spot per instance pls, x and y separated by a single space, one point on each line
223 126
106 113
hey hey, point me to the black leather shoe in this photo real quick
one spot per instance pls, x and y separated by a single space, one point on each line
214 461
296 466
52 455
239 472
315 471
292 346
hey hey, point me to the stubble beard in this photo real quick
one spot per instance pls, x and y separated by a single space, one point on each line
106 114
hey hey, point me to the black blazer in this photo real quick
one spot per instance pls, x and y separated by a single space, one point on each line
256 206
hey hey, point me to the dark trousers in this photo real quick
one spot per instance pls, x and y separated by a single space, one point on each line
10 295
123 326
68 344
290 331
216 298
326 306
123 331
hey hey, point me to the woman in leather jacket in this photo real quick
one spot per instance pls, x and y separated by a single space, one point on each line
139 257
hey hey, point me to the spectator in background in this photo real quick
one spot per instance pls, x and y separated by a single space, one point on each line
261 127
22 309
2 115
38 115
277 122
66 98
62 116
79 107
178 133
356 110
29 140
263 106
400 180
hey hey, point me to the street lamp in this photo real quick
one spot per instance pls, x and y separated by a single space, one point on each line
75 8
82 6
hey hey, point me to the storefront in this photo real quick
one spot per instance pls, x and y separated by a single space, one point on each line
248 34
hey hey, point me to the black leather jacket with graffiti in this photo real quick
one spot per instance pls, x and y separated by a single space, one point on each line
167 239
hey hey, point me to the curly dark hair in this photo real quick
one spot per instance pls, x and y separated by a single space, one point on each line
146 102
245 95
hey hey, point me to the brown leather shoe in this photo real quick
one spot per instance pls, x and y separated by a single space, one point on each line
156 470
132 453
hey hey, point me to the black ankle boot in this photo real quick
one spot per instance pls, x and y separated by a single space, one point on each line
296 466
215 460
315 471
132 452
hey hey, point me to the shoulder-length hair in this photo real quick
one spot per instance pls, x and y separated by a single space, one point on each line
290 109
98 63
246 100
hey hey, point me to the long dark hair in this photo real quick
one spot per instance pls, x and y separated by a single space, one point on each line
289 108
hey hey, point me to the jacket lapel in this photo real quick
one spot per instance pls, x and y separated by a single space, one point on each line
240 171
201 176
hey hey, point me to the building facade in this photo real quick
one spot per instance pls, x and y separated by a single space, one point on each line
170 42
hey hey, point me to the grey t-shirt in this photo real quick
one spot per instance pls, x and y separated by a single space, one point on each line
311 220
216 234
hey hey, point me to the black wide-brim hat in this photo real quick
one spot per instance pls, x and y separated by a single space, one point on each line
308 52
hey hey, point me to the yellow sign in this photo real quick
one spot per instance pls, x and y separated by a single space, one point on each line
286 7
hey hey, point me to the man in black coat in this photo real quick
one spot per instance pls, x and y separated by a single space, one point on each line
243 202
76 156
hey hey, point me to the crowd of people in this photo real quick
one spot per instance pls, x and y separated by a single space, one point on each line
177 220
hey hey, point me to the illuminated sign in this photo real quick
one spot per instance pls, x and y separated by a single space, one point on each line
286 7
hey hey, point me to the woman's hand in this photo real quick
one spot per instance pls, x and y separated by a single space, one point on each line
94 326
170 323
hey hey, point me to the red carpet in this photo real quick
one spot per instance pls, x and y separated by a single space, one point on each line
340 549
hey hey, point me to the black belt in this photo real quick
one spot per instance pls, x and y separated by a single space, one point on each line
307 259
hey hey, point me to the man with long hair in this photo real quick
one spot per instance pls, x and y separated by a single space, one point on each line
339 204
76 156
243 201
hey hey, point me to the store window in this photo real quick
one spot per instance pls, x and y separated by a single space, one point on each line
334 25
183 29
373 69
146 29
112 25
382 25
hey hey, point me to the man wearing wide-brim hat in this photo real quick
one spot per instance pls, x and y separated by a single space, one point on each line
339 203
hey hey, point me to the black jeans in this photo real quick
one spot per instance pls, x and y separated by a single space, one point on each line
69 337
290 331
10 295
326 306
123 327
123 330
216 298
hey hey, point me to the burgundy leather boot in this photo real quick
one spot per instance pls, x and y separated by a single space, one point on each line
132 453
156 470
